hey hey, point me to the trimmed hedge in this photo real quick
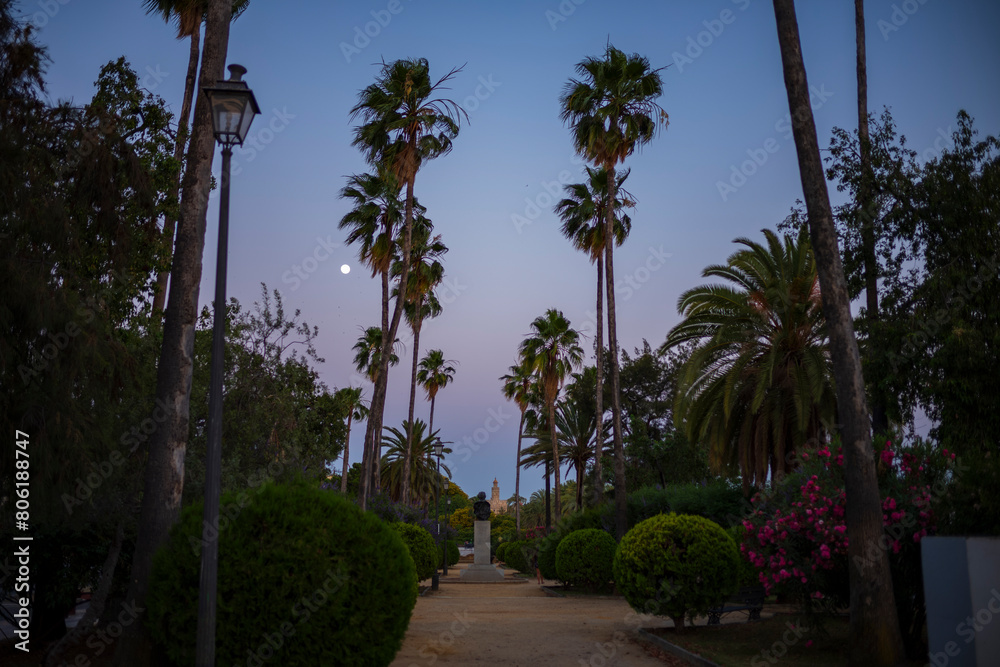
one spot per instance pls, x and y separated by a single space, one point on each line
420 544
305 578
547 547
585 558
676 565
453 553
518 555
501 550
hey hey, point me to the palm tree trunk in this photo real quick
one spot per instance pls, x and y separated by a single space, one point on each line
347 446
430 432
555 454
875 635
517 481
368 465
378 400
621 506
866 212
579 484
408 455
164 475
599 397
548 495
183 121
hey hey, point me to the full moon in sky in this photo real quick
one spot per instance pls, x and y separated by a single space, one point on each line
344 268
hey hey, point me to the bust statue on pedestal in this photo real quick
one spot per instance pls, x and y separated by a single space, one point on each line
481 508
481 570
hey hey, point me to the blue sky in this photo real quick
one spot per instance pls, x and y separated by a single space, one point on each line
490 199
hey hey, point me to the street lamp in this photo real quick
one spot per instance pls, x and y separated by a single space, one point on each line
233 109
446 515
438 447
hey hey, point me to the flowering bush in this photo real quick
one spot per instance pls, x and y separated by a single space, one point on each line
796 536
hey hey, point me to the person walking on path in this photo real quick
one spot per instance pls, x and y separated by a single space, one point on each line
538 572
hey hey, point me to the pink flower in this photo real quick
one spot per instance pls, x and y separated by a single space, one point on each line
809 643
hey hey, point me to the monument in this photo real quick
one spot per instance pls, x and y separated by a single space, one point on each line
481 569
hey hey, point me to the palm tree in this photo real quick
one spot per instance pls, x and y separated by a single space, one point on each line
612 109
164 474
519 385
402 126
758 384
368 351
875 633
188 15
577 433
435 374
582 213
552 351
423 476
351 399
426 272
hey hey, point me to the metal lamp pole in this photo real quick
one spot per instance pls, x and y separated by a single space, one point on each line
233 109
446 515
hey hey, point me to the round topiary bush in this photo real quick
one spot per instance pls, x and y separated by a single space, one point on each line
585 558
676 565
453 553
420 544
518 555
305 578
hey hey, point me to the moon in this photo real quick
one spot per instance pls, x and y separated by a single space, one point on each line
345 269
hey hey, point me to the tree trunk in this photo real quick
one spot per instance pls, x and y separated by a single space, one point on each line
599 397
97 602
517 480
370 450
555 454
408 454
866 210
375 416
621 505
548 495
183 121
430 432
347 446
164 476
875 637
579 484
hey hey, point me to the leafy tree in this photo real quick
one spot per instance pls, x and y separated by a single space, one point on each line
612 109
552 350
403 125
875 633
758 384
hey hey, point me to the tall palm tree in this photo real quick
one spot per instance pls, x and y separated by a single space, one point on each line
188 15
612 109
367 352
519 385
536 427
552 351
352 400
423 476
583 215
426 272
435 374
403 125
875 634
759 383
164 474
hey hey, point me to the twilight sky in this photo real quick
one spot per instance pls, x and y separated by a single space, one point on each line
491 198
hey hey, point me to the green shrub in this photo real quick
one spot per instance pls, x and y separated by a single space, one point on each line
676 565
501 550
547 547
453 553
748 574
719 501
585 558
518 555
337 585
420 544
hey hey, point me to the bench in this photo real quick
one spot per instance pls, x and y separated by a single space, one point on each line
749 599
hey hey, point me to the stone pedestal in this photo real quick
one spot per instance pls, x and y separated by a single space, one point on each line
481 569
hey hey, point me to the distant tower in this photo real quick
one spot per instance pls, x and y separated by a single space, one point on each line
497 506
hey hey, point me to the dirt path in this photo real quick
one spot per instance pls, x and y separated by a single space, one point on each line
516 624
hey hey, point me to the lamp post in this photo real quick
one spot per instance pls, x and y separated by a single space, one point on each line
446 515
233 109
